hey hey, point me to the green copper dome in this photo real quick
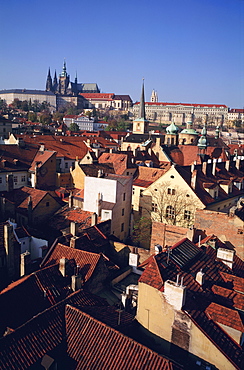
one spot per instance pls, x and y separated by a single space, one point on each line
172 129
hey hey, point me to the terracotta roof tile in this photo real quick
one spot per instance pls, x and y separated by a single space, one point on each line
225 316
110 349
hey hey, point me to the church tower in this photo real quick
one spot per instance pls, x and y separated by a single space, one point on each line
140 124
63 80
49 85
154 97
55 83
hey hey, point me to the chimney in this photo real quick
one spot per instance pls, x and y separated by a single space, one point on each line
9 244
238 162
63 265
30 205
71 200
158 249
76 282
204 167
175 294
226 256
10 182
194 179
25 260
200 277
73 242
42 148
110 150
94 219
193 166
74 228
227 165
99 173
214 167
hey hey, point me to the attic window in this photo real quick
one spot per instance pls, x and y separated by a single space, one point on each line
240 231
172 176
154 173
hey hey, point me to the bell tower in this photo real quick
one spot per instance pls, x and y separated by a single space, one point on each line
63 80
140 124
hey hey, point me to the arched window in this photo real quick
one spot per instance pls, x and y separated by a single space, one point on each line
170 212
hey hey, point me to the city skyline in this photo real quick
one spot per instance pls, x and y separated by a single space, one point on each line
188 52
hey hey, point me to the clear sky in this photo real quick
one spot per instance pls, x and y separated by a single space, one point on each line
189 51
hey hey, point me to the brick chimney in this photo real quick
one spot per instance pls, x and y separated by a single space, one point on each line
175 294
30 206
204 167
238 163
194 179
76 282
71 200
200 277
74 228
214 167
73 242
94 219
25 260
227 165
63 265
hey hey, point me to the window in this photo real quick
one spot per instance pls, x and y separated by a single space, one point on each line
23 178
124 196
15 179
122 227
1 180
171 191
66 165
187 215
47 204
133 191
141 191
170 212
154 207
123 211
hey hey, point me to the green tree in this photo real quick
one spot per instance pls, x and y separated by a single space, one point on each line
58 117
141 231
24 105
32 116
45 117
74 127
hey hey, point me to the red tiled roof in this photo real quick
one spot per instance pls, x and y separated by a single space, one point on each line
186 104
238 282
233 298
41 158
41 334
110 349
68 147
21 196
225 316
121 162
82 258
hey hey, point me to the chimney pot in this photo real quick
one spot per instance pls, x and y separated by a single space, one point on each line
63 265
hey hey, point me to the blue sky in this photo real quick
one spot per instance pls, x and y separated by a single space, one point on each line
189 51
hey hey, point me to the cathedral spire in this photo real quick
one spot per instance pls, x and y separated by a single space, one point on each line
49 84
64 72
142 113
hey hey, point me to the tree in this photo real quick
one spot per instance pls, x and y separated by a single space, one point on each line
32 116
74 127
141 231
45 117
168 204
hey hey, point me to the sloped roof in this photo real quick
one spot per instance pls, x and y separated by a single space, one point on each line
41 158
69 147
42 333
165 266
92 169
225 316
21 196
15 158
120 162
87 261
110 349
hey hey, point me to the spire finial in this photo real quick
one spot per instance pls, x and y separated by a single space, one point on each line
142 103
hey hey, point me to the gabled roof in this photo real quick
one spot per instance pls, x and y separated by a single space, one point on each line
110 349
182 262
27 344
41 158
69 147
21 196
120 162
15 158
87 261
225 316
